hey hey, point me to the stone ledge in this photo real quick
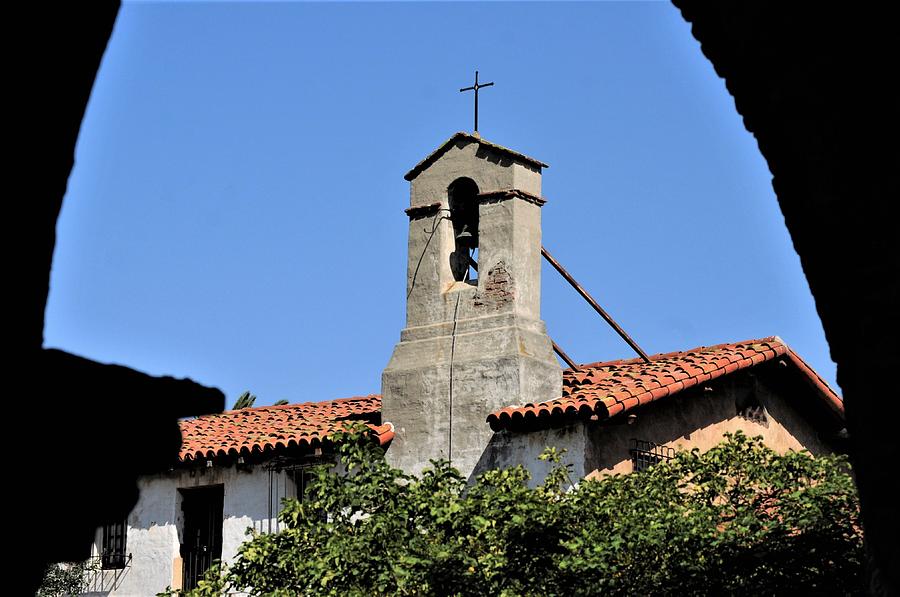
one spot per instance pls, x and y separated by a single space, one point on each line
495 196
422 211
472 324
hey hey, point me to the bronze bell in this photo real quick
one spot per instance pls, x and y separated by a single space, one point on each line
464 234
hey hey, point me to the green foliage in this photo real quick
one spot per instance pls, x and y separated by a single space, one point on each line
69 578
737 519
245 400
281 402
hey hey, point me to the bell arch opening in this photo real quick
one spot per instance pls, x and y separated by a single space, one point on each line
463 198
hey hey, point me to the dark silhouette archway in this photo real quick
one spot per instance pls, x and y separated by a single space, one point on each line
815 85
78 433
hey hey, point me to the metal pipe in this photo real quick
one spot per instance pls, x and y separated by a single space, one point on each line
594 304
562 354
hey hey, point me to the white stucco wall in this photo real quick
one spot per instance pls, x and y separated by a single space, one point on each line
156 523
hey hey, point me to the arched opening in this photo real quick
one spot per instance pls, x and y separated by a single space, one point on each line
463 196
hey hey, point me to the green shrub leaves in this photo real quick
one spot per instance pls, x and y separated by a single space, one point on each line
737 519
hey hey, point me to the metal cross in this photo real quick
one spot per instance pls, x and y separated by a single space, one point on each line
476 87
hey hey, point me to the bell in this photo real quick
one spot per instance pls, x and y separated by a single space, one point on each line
464 234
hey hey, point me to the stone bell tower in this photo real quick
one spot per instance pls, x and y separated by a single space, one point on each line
474 341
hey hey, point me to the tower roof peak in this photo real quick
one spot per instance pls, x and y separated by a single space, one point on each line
464 137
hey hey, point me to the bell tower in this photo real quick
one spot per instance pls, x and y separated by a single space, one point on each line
474 341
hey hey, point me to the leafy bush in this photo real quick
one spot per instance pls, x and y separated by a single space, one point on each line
67 578
737 519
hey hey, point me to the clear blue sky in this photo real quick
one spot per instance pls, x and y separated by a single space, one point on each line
236 209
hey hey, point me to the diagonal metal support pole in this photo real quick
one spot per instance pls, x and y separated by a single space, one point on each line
562 354
586 296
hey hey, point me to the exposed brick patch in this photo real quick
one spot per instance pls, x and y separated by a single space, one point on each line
498 288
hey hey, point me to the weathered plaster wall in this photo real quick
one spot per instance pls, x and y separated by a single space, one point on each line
156 523
696 419
509 256
510 449
490 170
700 419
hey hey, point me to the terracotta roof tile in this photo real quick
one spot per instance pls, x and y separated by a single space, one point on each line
257 430
615 387
597 390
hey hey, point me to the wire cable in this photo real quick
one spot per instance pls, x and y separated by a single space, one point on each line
434 227
452 351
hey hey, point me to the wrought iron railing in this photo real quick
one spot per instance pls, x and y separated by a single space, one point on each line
105 572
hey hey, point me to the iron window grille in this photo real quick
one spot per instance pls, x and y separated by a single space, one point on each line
645 454
112 547
288 479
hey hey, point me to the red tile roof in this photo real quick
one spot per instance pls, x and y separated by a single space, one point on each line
603 390
266 428
608 389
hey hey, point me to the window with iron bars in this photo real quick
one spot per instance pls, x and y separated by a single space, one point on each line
286 481
112 546
645 454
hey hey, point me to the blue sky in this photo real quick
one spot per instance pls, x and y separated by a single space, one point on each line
235 213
